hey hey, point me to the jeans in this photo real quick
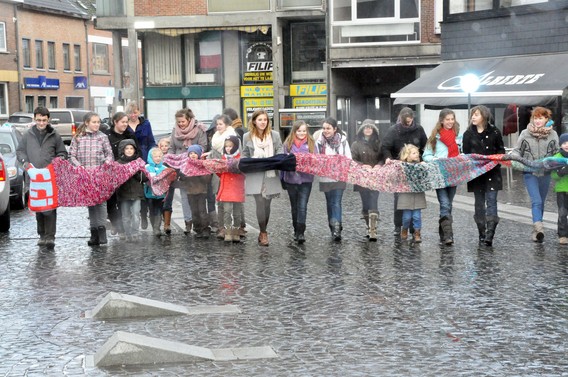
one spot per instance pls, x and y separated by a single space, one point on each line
369 200
562 201
185 205
537 187
98 215
445 198
168 201
412 217
155 206
485 203
130 216
333 204
299 196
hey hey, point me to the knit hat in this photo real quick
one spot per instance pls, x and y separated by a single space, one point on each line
195 148
563 138
235 140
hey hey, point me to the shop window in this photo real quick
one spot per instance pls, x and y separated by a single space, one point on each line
3 44
203 58
3 100
77 57
51 55
163 59
375 22
308 51
237 6
39 54
66 57
100 58
26 54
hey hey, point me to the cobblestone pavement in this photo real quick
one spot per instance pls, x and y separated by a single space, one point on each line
328 309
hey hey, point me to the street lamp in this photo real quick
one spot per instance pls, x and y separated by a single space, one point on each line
469 83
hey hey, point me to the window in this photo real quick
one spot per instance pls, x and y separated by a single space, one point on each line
203 58
53 102
66 57
3 99
463 6
39 54
3 44
308 51
299 3
77 57
29 104
41 101
26 54
163 59
100 58
375 22
237 6
51 55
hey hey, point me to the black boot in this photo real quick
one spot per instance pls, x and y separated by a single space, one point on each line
492 222
301 229
336 230
480 222
101 230
295 225
94 240
447 234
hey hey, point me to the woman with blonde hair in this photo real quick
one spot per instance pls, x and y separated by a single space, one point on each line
261 142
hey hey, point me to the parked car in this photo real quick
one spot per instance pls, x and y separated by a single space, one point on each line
66 121
10 138
22 121
4 195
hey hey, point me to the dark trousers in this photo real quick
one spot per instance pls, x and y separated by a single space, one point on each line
562 201
397 213
369 200
169 200
114 214
155 206
299 196
262 211
198 205
46 223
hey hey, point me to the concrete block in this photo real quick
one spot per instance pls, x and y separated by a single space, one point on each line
124 348
116 305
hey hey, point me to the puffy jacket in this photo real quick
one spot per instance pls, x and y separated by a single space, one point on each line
144 137
294 177
38 152
115 138
486 143
154 169
231 187
398 135
133 188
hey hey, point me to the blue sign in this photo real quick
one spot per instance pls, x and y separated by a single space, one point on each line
40 82
80 82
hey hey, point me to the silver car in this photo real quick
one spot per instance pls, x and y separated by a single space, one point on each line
4 195
21 121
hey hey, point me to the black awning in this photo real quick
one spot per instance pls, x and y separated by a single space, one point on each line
524 80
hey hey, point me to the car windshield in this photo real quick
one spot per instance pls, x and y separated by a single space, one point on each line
6 143
19 119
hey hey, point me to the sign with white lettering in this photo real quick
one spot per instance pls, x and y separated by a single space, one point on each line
40 82
258 62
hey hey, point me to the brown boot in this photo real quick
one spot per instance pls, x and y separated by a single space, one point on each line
167 222
404 234
263 239
417 238
235 234
228 234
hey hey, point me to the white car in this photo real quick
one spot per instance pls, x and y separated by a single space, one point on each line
4 196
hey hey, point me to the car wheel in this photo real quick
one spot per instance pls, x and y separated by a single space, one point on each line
5 220
20 201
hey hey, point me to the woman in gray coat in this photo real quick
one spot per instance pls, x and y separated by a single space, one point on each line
261 142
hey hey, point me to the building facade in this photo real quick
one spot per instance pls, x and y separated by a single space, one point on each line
299 59
9 88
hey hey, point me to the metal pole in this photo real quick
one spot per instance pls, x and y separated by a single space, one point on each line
468 104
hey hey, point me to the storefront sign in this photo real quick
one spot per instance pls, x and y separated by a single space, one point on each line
314 102
257 91
259 64
308 90
40 82
80 82
250 105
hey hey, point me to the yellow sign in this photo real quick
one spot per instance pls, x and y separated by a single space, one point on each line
317 102
308 90
257 91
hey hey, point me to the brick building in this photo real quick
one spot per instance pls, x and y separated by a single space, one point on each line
9 88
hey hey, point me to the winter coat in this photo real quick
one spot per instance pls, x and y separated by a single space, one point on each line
532 149
115 138
255 181
365 151
177 147
90 149
144 137
561 184
154 169
398 135
411 200
441 150
40 151
322 147
133 188
294 177
231 187
486 143
198 184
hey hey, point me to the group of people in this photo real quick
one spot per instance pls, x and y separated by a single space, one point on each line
215 203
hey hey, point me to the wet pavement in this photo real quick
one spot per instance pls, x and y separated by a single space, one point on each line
328 309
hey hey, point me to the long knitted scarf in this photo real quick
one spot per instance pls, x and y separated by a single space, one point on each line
79 186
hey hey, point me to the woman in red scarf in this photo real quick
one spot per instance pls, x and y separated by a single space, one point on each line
442 144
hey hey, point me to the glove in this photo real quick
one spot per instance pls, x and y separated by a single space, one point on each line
563 171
